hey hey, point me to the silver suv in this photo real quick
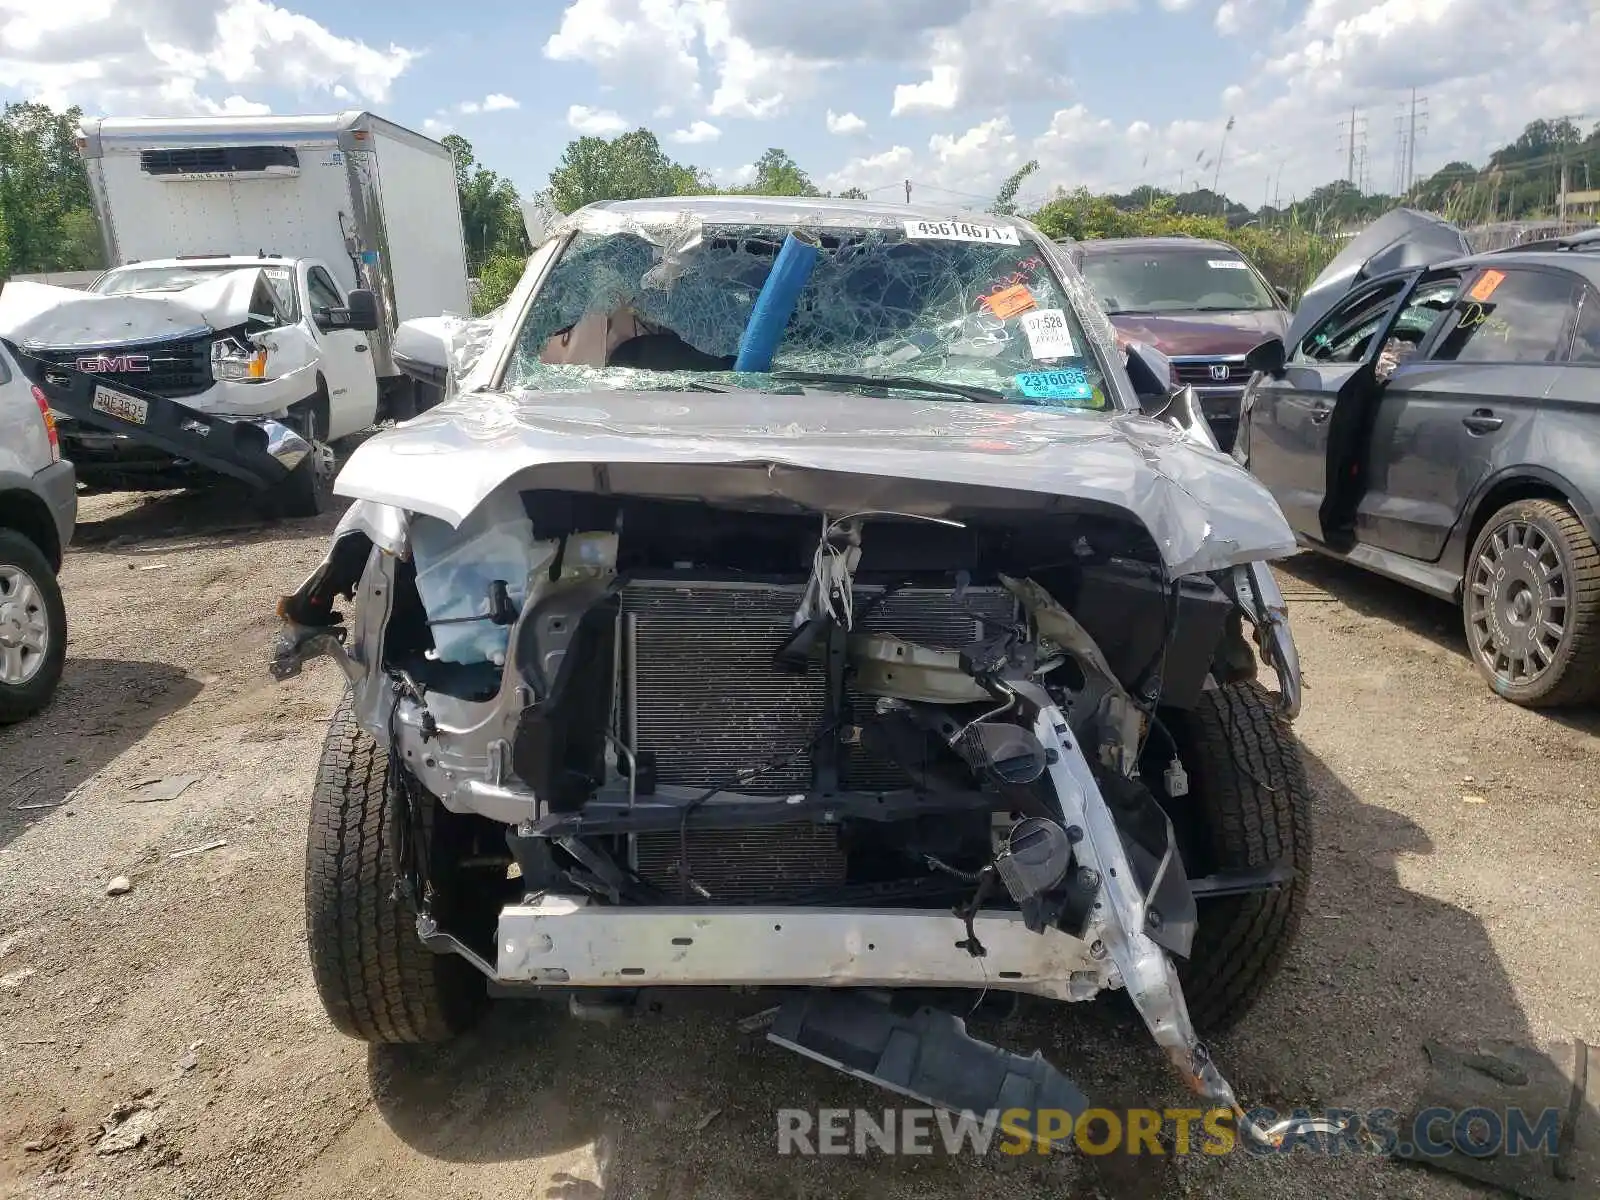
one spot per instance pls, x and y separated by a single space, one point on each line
794 597
38 509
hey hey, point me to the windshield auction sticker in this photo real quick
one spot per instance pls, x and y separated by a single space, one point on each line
1486 285
1048 335
1068 384
962 231
1224 264
1010 301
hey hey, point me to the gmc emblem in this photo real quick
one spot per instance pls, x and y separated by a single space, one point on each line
106 364
1219 371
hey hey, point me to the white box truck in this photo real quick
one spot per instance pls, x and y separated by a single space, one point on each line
259 268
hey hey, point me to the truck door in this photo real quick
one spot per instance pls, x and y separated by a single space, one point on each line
346 360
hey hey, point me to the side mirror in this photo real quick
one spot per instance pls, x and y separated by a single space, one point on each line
422 351
359 313
362 307
1153 375
1284 293
1267 358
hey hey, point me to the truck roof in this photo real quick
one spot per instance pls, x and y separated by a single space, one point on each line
351 129
224 260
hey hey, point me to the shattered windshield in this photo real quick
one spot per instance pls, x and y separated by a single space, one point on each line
972 308
1152 281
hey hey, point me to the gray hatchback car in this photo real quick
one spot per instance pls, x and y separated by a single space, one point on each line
38 509
1433 416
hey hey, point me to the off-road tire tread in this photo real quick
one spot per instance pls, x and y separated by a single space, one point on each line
1247 773
21 701
1579 680
377 981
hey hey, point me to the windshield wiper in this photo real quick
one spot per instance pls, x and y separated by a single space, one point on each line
906 383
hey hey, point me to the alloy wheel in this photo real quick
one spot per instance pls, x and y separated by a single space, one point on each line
24 626
1518 602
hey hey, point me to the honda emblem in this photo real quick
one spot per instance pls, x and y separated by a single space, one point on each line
106 364
1219 371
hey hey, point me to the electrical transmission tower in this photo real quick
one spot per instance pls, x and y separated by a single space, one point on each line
1415 125
1400 147
1353 144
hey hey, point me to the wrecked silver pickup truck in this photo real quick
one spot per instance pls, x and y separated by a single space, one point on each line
793 595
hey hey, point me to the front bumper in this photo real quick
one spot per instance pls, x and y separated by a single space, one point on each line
57 486
256 451
562 940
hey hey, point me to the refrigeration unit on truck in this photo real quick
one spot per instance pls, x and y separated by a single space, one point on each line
259 268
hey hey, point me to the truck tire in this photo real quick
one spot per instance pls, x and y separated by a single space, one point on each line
377 981
33 628
429 395
400 400
308 491
1251 801
1530 603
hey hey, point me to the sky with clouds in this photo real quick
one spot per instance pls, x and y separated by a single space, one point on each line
949 94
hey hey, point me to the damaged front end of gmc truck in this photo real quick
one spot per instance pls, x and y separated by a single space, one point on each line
852 699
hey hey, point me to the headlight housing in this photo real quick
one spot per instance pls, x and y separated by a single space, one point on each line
234 361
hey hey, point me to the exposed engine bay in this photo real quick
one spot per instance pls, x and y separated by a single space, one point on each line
726 743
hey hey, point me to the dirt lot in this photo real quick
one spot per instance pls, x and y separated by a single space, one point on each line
1456 887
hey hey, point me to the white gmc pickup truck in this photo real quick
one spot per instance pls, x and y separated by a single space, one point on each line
260 266
275 343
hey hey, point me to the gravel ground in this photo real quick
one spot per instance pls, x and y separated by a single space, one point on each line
1455 885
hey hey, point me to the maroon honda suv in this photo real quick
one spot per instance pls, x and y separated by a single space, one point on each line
1199 302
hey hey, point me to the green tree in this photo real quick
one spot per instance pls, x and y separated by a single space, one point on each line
777 174
491 211
44 191
1005 200
497 279
853 193
631 166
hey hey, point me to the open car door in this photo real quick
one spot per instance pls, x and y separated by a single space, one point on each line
1361 328
1323 404
1310 421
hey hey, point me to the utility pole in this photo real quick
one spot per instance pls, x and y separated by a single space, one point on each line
1353 142
1350 144
1216 181
908 191
1411 137
1400 153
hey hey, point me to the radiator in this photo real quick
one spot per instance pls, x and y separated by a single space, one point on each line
704 698
745 866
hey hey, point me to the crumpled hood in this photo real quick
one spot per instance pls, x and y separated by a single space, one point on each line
1220 333
38 316
1204 512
